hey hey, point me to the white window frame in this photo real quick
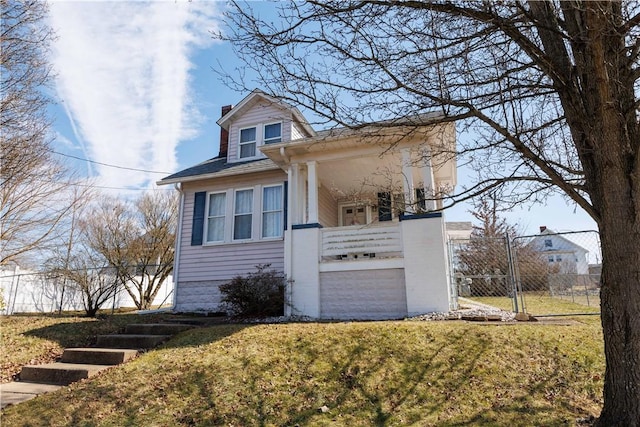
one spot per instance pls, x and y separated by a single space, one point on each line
235 214
254 142
262 212
207 217
264 133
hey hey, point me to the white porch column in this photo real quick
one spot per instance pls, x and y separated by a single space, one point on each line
407 182
295 192
428 180
312 180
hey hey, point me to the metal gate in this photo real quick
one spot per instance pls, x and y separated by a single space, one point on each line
548 274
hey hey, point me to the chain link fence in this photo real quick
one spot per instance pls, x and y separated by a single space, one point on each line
544 274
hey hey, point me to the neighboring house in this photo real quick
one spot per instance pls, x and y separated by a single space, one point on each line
560 253
345 214
459 230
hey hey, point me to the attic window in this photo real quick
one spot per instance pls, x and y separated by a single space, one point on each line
247 142
273 133
548 243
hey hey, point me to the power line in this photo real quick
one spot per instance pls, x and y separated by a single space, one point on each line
109 165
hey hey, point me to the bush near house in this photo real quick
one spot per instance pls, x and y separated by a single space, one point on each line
260 293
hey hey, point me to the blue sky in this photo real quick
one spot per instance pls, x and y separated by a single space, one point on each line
134 88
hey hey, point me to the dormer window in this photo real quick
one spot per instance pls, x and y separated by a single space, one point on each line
273 133
247 142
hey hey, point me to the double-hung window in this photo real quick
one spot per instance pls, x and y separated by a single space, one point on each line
273 133
243 217
216 217
248 139
272 209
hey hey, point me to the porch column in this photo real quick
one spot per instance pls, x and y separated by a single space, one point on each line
407 182
312 179
294 196
428 180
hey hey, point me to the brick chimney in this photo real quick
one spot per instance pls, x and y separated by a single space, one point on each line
543 228
224 134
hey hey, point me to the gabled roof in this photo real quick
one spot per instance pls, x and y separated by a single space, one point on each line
550 233
248 100
218 167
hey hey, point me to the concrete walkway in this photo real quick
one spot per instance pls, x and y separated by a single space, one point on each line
81 363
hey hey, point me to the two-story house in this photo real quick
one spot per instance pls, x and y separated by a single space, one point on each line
349 215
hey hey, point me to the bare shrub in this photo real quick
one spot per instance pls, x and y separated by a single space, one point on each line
260 293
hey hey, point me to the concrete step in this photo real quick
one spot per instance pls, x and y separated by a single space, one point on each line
156 328
59 373
132 341
16 392
97 356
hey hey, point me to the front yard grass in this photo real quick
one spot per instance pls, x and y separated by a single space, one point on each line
35 339
538 304
346 374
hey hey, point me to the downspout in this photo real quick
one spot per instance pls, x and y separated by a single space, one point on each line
176 258
289 242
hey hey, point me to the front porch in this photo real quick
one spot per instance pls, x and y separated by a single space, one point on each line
363 240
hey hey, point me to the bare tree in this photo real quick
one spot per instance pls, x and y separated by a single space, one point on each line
33 196
485 256
137 239
549 88
89 273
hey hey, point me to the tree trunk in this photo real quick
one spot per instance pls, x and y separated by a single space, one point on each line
620 307
601 112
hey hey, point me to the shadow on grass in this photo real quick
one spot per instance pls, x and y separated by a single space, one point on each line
84 331
317 374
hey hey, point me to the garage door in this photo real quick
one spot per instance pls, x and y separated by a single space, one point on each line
363 294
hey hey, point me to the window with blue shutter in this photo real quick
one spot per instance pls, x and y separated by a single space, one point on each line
197 225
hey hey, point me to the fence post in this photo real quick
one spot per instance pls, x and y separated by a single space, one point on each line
15 295
453 291
511 273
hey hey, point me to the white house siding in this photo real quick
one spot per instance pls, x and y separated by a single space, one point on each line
363 294
296 132
259 114
574 257
202 268
327 208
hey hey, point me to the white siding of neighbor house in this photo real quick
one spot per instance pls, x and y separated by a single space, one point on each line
327 208
258 115
203 263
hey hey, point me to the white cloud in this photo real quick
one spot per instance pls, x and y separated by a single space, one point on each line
123 74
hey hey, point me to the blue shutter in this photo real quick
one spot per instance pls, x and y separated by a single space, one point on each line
197 226
384 206
285 199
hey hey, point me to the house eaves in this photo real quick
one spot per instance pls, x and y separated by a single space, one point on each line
216 168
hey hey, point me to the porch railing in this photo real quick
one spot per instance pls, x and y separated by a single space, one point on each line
362 242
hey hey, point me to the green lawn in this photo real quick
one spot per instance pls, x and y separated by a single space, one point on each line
541 304
446 373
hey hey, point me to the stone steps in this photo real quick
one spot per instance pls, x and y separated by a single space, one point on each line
59 373
80 363
98 356
157 328
131 341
